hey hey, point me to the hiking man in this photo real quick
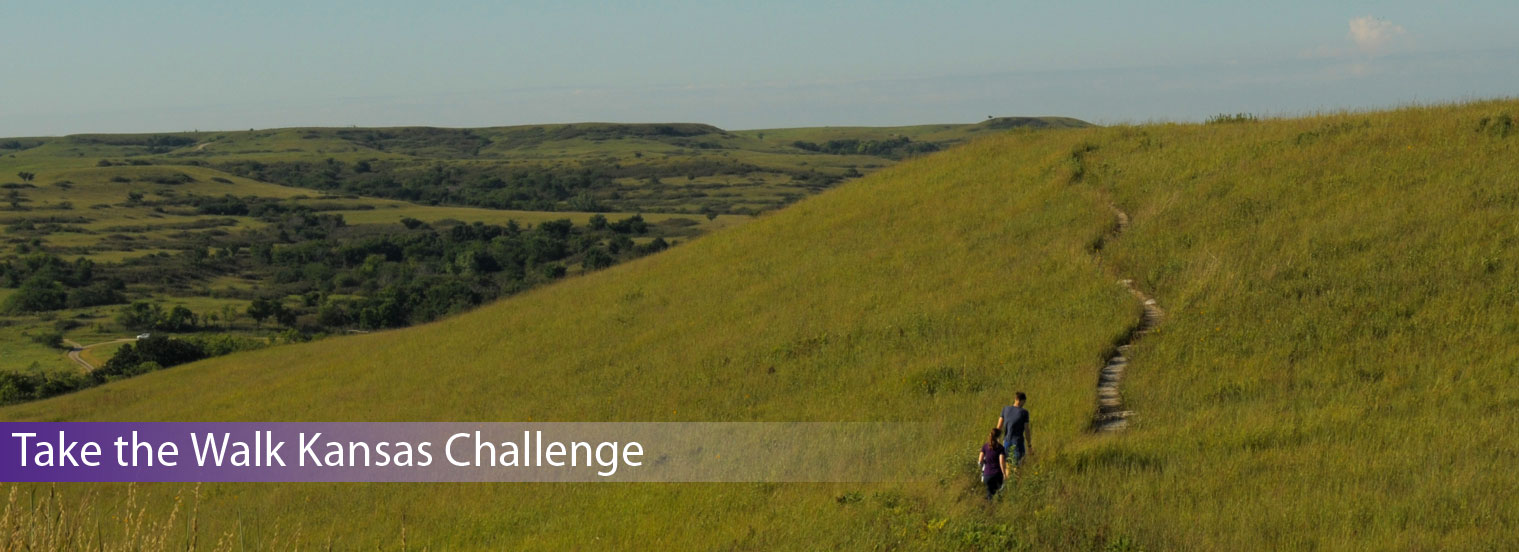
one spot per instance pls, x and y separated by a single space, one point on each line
1018 437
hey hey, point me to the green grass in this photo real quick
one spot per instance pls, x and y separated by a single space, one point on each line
1337 369
18 352
1343 297
121 256
98 356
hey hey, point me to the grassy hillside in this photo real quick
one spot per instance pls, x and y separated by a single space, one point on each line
180 219
1336 370
859 305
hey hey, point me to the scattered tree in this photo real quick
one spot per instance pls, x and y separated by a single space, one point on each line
597 259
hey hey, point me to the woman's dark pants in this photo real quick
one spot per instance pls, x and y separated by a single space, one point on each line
993 482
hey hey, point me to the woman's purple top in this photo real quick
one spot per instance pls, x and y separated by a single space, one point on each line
991 459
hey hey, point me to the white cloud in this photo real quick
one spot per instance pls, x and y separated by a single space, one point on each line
1374 35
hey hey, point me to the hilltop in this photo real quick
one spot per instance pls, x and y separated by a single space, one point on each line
1335 370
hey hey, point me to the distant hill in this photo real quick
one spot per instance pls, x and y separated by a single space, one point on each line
1004 123
654 167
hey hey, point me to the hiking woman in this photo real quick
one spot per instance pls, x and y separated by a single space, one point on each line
993 460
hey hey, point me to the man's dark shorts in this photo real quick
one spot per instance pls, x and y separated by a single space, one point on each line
1014 446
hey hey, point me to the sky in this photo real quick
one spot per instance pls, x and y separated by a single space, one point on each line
75 66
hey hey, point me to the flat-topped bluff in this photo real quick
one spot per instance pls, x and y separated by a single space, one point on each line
470 142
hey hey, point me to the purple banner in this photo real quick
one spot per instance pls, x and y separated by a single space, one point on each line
434 452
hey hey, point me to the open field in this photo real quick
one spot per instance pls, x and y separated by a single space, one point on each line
1337 369
20 352
97 356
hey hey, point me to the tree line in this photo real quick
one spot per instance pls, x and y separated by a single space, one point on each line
891 148
46 282
587 186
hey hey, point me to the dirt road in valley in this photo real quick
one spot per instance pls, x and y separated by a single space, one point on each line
75 348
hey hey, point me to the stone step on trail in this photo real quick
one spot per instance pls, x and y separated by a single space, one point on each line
1111 414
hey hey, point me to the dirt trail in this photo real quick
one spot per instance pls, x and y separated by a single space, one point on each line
75 348
1111 414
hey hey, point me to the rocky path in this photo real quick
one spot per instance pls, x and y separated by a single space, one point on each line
1111 414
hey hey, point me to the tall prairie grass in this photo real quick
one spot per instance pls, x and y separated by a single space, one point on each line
1337 369
47 518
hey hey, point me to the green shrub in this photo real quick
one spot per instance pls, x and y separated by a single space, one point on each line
37 294
597 259
52 339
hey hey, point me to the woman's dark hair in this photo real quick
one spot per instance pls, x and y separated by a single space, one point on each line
992 439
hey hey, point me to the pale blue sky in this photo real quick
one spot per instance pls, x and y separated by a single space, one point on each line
69 66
